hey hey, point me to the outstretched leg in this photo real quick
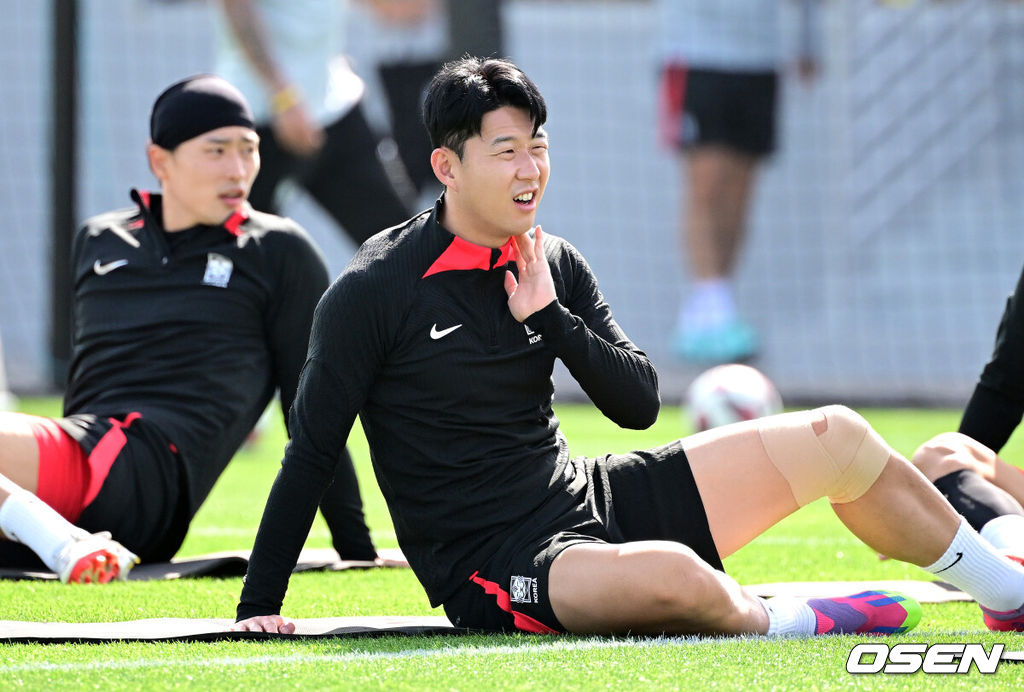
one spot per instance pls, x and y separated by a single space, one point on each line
74 554
719 183
833 452
750 476
648 587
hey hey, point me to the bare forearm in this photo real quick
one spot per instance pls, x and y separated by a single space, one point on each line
247 25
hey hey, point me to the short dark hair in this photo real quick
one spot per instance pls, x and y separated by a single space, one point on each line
464 90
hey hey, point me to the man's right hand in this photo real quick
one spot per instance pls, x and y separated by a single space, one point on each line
265 623
297 132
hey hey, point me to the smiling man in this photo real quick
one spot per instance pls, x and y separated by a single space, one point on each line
442 334
190 310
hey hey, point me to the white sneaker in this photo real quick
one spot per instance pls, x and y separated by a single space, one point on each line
94 559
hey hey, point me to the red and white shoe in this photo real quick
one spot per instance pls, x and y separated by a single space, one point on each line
95 559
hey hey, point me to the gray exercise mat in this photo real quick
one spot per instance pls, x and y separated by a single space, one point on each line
226 564
185 629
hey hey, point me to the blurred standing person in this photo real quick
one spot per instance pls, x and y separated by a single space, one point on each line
721 62
413 38
287 57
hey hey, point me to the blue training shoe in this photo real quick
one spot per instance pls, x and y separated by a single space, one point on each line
732 342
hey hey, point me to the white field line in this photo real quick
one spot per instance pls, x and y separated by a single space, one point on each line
357 656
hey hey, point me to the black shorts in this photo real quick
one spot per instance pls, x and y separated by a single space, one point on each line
620 498
143 501
346 177
710 107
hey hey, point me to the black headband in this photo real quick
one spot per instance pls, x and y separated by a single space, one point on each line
196 105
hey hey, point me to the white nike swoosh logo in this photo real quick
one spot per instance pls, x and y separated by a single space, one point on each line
435 334
102 269
119 232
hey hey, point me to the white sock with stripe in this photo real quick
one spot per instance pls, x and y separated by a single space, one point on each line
26 519
974 566
789 616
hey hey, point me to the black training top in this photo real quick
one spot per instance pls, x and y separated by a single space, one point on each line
996 407
454 396
193 329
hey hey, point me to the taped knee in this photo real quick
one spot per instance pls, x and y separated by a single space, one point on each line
841 460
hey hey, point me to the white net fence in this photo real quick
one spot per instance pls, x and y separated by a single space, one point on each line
885 233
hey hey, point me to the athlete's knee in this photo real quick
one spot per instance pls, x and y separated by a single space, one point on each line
682 584
827 452
858 450
952 451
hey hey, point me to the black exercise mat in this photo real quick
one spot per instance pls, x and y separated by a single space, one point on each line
225 564
198 630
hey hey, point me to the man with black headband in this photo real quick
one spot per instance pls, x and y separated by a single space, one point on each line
190 310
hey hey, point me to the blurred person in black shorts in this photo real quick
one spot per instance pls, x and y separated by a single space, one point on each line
721 66
442 334
190 310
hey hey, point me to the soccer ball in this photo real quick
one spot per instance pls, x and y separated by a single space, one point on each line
729 394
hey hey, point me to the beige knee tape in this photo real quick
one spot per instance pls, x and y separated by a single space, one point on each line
841 463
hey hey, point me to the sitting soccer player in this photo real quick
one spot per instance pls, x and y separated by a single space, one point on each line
442 334
190 310
965 465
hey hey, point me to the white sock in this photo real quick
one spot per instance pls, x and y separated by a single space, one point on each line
26 519
973 565
789 616
710 304
1006 533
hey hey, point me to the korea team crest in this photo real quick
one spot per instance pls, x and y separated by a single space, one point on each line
523 590
218 270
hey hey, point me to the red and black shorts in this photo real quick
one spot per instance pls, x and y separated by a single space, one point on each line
130 481
619 498
699 107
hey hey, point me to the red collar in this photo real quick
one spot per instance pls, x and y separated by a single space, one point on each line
463 255
233 224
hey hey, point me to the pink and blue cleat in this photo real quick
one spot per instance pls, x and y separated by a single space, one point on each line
867 612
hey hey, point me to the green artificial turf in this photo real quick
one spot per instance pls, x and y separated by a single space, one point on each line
810 545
